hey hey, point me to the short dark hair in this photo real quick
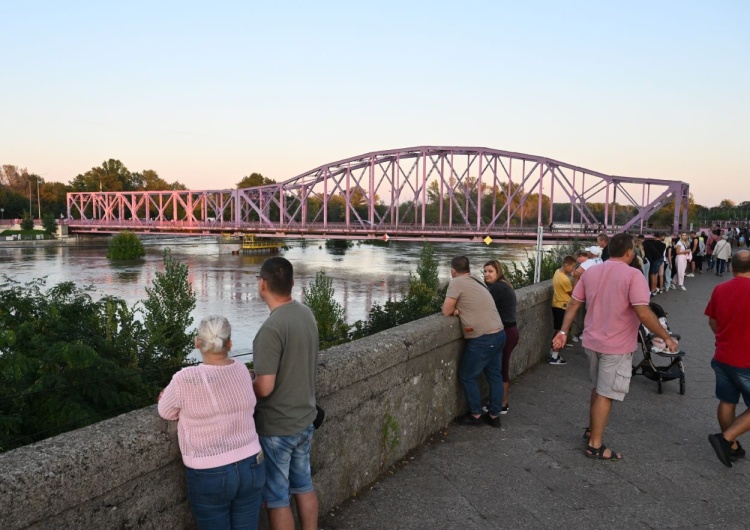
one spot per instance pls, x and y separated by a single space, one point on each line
603 237
741 261
460 264
569 260
279 275
620 244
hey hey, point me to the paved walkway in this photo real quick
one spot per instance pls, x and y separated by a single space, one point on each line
532 473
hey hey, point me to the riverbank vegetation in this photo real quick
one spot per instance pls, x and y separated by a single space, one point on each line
125 246
67 360
423 297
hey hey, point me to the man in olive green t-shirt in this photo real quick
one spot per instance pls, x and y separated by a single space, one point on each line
285 356
471 301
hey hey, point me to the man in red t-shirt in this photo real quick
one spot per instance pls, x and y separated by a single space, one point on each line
728 312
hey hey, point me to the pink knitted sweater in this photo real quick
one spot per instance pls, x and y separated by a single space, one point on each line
215 406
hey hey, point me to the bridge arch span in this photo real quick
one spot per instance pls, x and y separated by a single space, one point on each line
425 192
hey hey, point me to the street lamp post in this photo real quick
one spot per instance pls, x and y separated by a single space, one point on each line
38 202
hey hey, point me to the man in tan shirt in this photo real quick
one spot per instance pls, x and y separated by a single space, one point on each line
470 300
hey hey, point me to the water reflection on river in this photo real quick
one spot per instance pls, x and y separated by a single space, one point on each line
225 283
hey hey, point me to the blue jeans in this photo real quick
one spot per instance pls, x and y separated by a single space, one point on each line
720 266
287 467
483 354
227 496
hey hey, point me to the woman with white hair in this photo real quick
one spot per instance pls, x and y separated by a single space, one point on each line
214 404
722 253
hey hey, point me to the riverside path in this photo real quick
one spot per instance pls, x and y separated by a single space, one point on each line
532 473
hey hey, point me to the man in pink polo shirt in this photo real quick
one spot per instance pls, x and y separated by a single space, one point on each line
617 298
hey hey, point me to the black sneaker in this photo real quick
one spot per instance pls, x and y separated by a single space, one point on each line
736 454
468 419
492 422
722 448
556 362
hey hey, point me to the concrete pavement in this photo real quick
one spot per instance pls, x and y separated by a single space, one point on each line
532 473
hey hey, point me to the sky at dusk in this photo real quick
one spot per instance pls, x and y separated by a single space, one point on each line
208 92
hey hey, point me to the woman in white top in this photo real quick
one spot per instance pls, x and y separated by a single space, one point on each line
723 254
682 250
214 404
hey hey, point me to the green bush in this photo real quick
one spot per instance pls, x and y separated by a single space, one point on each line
27 223
166 316
422 299
332 327
338 244
125 246
67 360
522 276
49 223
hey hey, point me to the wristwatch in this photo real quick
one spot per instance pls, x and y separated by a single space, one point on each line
564 333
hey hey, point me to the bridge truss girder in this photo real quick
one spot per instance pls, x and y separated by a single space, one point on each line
476 190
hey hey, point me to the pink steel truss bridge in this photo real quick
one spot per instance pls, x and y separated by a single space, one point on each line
418 193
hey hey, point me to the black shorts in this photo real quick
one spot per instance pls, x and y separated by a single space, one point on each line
557 317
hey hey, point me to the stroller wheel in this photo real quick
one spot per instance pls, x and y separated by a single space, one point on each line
682 386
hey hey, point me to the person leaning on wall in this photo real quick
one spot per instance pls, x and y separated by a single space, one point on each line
214 404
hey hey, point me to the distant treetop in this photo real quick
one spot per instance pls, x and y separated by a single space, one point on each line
254 179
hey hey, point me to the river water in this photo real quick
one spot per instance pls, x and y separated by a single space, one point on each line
226 284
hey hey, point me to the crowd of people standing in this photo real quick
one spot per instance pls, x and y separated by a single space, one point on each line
667 260
601 296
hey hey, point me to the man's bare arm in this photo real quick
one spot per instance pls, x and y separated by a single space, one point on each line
649 319
559 340
449 306
264 385
713 324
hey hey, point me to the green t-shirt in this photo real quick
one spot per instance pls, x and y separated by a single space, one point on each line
287 345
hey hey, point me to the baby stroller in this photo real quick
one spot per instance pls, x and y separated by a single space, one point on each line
652 345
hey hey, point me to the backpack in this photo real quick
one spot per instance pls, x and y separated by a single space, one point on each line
712 244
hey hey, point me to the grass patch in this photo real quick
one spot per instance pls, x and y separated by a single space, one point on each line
23 234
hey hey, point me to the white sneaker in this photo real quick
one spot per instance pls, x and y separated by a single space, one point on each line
691 275
683 287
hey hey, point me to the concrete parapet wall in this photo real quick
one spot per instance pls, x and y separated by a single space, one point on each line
383 396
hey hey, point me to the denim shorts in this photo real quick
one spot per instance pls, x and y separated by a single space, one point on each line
655 266
287 467
731 382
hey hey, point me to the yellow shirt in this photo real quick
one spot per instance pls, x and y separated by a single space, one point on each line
563 288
